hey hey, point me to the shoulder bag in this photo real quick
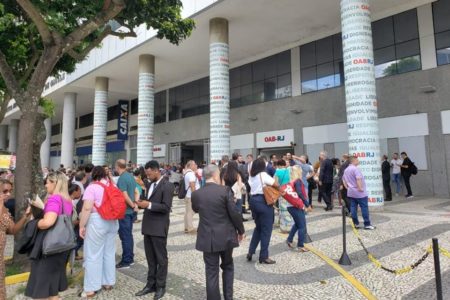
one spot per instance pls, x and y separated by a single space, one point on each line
61 236
271 194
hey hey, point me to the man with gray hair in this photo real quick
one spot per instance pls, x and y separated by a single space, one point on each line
220 230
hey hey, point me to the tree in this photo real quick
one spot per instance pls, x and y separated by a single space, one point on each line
39 39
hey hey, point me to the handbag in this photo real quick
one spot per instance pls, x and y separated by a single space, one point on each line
290 195
61 236
271 194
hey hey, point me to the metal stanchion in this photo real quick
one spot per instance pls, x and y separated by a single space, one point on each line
345 259
437 269
307 238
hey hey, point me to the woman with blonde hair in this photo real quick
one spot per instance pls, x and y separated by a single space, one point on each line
298 215
48 273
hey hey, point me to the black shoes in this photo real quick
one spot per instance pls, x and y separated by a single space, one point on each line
267 261
146 290
160 292
249 257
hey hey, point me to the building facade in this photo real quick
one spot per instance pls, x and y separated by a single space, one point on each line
285 89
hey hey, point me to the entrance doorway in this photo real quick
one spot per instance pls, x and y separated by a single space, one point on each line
279 152
192 150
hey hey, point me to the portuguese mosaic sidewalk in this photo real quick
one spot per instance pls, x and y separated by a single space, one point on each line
404 232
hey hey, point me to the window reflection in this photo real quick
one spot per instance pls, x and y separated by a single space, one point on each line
441 13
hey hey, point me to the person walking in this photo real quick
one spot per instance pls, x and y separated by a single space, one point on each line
220 230
298 214
157 204
233 179
386 172
262 213
191 183
345 163
326 179
355 184
282 175
406 172
7 226
396 164
127 185
99 236
48 273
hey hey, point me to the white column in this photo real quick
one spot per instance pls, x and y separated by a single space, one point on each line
295 72
426 36
45 147
100 121
146 109
3 136
13 129
219 86
360 94
68 129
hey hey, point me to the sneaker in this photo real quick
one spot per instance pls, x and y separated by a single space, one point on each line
370 227
122 265
357 227
409 196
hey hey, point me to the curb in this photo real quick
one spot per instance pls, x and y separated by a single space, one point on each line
19 278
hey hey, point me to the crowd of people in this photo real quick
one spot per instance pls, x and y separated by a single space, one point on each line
221 193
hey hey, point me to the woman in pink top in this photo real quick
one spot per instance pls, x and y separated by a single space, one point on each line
48 273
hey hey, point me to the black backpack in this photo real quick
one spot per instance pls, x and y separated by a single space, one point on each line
182 189
413 169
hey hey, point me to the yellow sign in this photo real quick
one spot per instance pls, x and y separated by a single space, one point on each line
5 161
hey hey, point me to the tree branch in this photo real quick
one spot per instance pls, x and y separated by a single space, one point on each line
75 38
4 106
34 59
8 76
35 15
79 56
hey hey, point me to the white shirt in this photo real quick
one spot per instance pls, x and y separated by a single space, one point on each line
188 178
396 163
256 183
151 189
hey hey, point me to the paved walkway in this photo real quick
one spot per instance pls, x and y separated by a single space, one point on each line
404 231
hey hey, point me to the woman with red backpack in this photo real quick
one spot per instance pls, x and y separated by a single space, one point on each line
295 194
99 234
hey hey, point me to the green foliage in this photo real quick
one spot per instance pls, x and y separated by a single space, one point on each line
48 106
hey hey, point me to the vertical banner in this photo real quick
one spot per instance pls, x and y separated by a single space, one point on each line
100 123
122 126
145 118
360 94
219 86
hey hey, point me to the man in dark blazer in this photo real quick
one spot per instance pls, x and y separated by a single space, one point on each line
219 231
326 179
386 172
157 203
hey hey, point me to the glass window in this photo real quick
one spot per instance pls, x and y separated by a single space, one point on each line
396 44
160 107
324 50
86 120
188 100
134 106
113 112
309 80
308 55
441 17
56 129
325 76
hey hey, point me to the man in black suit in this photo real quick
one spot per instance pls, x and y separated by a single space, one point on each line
157 203
386 172
219 231
326 179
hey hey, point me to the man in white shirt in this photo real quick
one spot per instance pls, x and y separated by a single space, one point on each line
192 184
396 162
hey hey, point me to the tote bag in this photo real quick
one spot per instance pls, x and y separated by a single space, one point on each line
61 236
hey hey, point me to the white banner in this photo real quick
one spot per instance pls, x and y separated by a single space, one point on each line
219 86
360 92
99 130
273 139
146 104
159 150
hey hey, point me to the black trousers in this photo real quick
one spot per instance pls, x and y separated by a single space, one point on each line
387 189
212 260
345 198
406 178
326 193
157 261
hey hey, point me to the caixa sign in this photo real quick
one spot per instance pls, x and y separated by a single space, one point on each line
273 139
122 127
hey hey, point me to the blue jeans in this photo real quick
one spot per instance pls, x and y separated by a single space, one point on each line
239 205
396 178
126 236
299 225
363 203
263 215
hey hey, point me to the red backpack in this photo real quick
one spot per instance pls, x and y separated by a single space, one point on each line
290 195
113 205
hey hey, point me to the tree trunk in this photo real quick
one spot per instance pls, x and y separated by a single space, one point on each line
26 170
